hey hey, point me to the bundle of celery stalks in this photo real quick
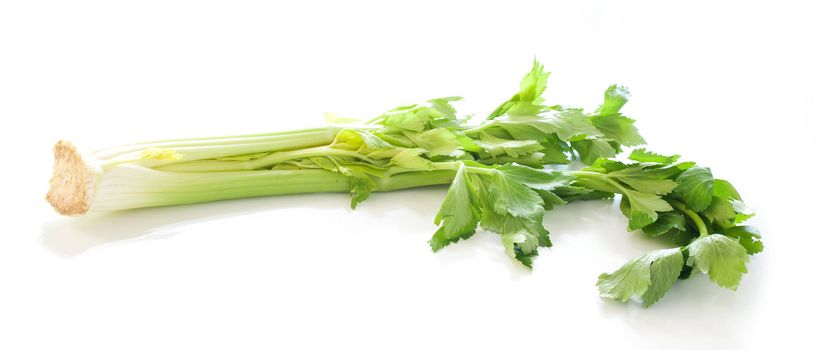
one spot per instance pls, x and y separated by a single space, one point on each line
503 174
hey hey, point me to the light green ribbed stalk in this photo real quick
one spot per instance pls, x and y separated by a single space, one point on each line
117 190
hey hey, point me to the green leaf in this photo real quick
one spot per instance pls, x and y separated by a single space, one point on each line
570 124
575 193
444 106
668 171
664 272
372 141
695 188
384 154
524 108
554 150
683 238
527 127
522 246
550 199
550 150
631 280
747 236
356 138
417 117
523 241
466 142
397 139
406 120
360 180
618 128
540 179
615 97
458 215
649 276
642 155
360 189
724 189
534 83
502 223
529 97
532 160
644 208
410 158
598 183
721 212
721 257
666 221
567 124
361 184
326 163
356 169
605 165
656 186
521 234
591 149
506 195
437 142
495 146
611 123
742 211
644 181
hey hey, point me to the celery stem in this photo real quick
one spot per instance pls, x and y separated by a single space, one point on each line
160 188
697 220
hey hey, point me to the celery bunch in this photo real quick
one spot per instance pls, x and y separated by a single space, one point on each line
502 172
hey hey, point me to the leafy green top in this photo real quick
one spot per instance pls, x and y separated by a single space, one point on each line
501 183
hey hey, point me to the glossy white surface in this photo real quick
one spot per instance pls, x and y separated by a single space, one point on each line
731 85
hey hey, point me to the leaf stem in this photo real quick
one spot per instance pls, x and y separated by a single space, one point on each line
480 128
612 185
211 165
214 147
700 225
375 120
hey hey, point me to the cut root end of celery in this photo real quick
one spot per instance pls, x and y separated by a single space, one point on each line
72 182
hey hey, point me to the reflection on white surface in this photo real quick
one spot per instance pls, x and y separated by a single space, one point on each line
577 229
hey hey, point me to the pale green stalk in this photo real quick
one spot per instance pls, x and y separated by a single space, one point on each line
206 148
118 190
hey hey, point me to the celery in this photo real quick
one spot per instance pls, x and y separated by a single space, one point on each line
504 173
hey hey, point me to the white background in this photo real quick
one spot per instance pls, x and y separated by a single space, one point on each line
732 85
